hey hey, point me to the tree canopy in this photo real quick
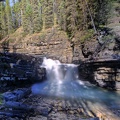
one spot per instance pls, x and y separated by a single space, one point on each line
36 15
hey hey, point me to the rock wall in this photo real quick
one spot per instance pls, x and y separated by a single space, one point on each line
77 53
108 77
52 43
110 50
105 74
19 69
37 73
83 51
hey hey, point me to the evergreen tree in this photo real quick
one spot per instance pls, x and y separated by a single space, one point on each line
3 20
79 15
15 14
103 10
24 20
37 15
62 15
0 20
29 17
100 10
18 13
71 17
47 13
55 12
8 17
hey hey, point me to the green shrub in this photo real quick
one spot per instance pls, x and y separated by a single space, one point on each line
11 40
87 36
108 37
42 37
24 34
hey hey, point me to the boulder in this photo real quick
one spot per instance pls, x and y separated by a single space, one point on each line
16 94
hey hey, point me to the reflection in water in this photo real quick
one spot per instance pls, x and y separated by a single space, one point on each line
63 81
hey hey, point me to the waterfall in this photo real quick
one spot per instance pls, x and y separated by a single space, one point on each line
63 81
60 72
52 69
60 78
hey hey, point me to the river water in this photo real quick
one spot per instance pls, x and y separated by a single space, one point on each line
63 81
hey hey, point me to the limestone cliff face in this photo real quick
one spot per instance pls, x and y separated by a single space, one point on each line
77 53
52 43
83 51
103 67
111 50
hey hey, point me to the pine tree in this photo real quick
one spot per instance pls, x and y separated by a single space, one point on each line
103 9
13 13
71 17
62 18
16 14
0 20
9 17
37 16
3 20
81 17
29 17
24 20
47 13
100 10
55 10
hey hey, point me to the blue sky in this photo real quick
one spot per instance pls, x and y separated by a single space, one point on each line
11 3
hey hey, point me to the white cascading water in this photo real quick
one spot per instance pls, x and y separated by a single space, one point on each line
59 72
52 69
59 77
63 81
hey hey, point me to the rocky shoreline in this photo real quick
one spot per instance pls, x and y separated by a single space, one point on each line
20 104
28 106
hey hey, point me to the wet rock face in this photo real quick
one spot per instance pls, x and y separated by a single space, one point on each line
89 48
104 73
108 78
111 50
104 67
19 70
16 94
77 53
82 51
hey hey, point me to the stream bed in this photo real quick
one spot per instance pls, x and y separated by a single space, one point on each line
63 82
